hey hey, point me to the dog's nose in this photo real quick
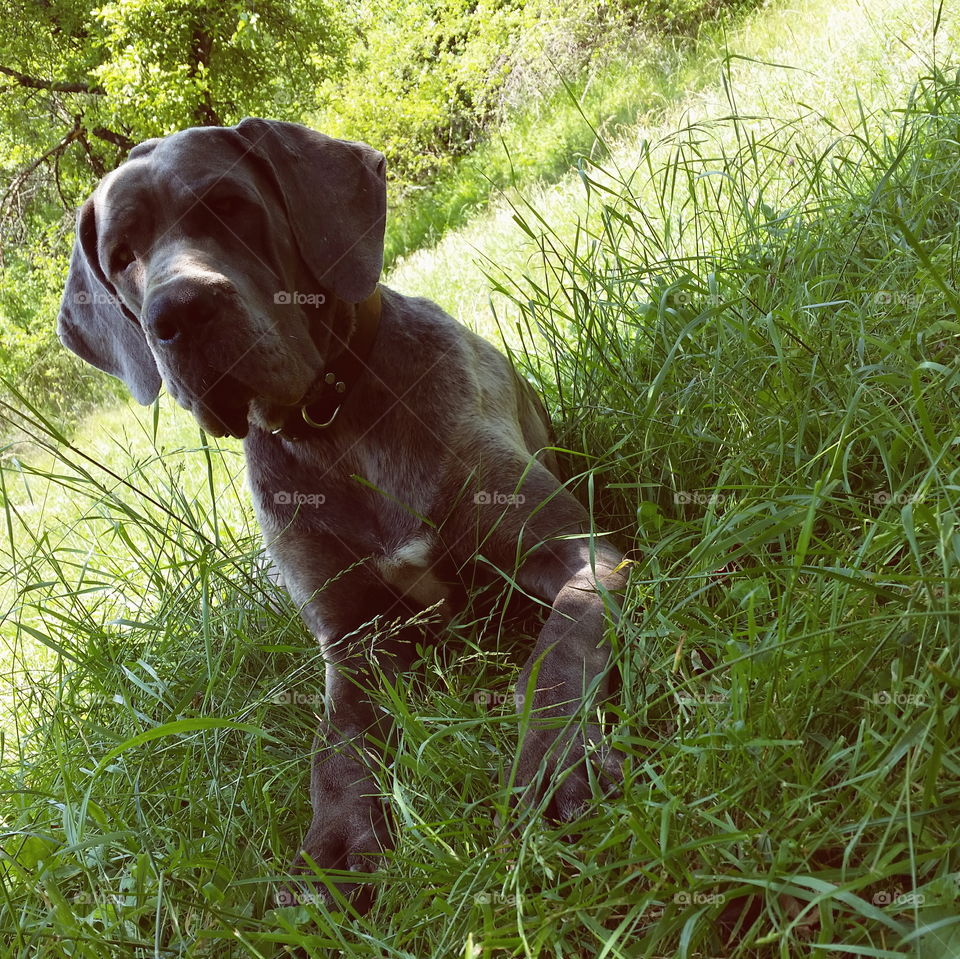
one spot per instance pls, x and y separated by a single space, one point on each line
179 309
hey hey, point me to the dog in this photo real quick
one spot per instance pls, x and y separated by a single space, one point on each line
390 451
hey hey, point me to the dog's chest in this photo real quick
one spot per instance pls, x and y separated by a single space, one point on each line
358 503
399 496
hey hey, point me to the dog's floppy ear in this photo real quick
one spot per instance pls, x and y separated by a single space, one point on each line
335 194
96 325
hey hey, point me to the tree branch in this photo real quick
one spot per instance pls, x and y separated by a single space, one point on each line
24 174
117 139
96 164
201 50
34 83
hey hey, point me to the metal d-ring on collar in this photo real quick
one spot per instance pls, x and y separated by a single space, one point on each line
339 386
320 411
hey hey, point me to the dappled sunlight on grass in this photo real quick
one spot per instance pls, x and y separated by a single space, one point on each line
87 524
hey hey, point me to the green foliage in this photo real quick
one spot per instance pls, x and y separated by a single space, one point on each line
535 143
31 357
83 83
427 77
681 16
166 64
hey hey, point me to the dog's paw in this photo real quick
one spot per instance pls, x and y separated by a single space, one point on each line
350 837
564 768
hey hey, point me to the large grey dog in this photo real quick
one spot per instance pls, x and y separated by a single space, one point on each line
391 452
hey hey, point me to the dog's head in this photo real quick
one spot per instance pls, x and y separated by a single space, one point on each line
213 260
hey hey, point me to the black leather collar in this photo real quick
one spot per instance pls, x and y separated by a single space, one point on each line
319 412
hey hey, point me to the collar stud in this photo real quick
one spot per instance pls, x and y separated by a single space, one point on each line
320 411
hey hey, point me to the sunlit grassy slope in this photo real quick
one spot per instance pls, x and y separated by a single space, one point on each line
812 69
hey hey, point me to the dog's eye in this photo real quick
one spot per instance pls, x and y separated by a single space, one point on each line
225 205
121 258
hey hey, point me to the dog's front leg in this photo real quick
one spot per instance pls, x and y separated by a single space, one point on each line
349 829
368 634
567 670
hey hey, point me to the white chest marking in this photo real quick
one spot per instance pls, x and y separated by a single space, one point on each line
407 569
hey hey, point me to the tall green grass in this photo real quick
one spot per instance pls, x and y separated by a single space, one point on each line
749 343
764 366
